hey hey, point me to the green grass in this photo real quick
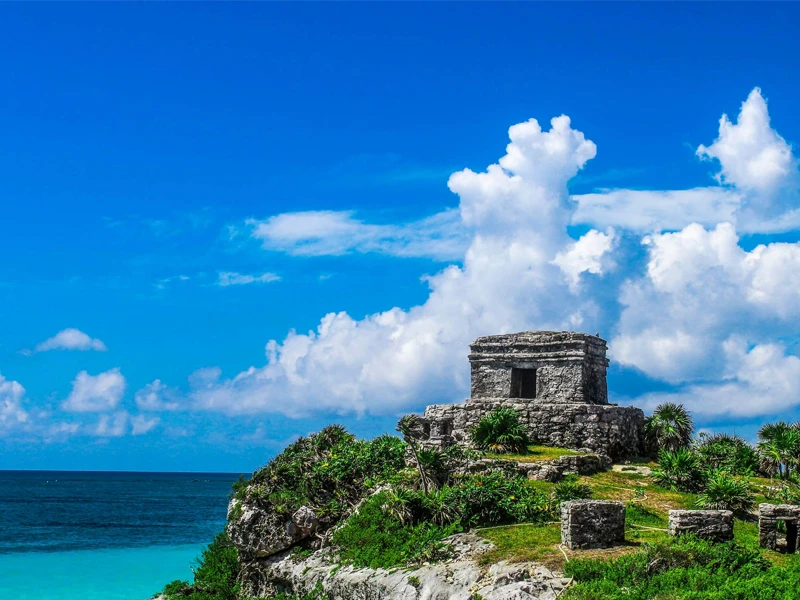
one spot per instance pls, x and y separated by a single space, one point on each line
524 543
536 454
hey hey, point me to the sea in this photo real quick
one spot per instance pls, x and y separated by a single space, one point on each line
67 535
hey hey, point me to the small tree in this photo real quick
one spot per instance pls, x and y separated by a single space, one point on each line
670 427
501 431
411 428
779 447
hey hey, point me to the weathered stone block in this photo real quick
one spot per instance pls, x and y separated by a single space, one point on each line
589 524
768 517
714 525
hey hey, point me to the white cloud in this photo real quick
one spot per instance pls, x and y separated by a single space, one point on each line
752 155
71 339
156 396
758 189
319 233
518 210
141 424
115 425
12 413
762 380
590 254
699 286
227 278
95 393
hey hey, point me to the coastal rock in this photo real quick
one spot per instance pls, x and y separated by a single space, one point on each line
256 532
461 578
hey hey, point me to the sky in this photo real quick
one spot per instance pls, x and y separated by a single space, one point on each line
227 225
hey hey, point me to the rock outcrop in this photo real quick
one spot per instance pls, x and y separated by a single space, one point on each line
462 578
257 532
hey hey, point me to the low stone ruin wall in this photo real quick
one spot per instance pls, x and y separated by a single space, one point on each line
768 517
713 525
616 431
587 524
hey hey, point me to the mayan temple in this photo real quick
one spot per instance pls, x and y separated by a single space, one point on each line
557 383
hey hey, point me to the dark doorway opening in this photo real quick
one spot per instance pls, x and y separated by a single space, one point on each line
791 537
523 383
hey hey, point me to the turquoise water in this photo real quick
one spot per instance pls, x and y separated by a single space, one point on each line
104 536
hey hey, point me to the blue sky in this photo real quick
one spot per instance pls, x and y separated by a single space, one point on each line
182 183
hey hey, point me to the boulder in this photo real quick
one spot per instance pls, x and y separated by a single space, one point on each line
257 532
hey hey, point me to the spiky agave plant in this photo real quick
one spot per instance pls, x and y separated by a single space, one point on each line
670 427
501 431
679 470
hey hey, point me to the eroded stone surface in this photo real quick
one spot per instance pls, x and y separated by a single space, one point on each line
768 517
258 532
462 578
714 525
587 524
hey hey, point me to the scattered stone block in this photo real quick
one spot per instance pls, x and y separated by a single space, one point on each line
713 525
768 535
589 524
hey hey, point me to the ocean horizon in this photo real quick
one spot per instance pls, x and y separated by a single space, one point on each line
105 535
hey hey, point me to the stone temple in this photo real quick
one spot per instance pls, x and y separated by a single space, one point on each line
557 383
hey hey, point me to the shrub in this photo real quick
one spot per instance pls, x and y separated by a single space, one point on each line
683 568
571 489
497 499
327 471
726 492
501 431
214 575
670 427
374 537
679 470
729 453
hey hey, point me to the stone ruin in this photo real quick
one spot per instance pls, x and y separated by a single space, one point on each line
589 524
768 535
713 525
557 383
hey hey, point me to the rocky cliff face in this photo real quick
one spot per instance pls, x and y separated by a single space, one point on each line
462 578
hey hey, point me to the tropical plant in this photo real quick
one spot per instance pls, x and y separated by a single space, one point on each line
411 427
723 491
570 489
679 470
779 447
729 453
501 431
670 427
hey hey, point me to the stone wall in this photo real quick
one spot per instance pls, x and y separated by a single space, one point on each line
606 429
587 524
768 517
714 525
569 367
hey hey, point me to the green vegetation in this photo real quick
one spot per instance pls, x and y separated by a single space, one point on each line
536 454
684 568
670 427
214 575
328 472
501 431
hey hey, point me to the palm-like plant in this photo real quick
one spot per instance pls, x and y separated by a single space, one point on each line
679 470
501 431
779 447
729 453
670 427
726 492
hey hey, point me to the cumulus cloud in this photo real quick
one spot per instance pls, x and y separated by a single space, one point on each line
327 232
517 210
227 278
757 191
141 424
699 286
70 339
115 425
12 413
156 397
95 393
590 254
